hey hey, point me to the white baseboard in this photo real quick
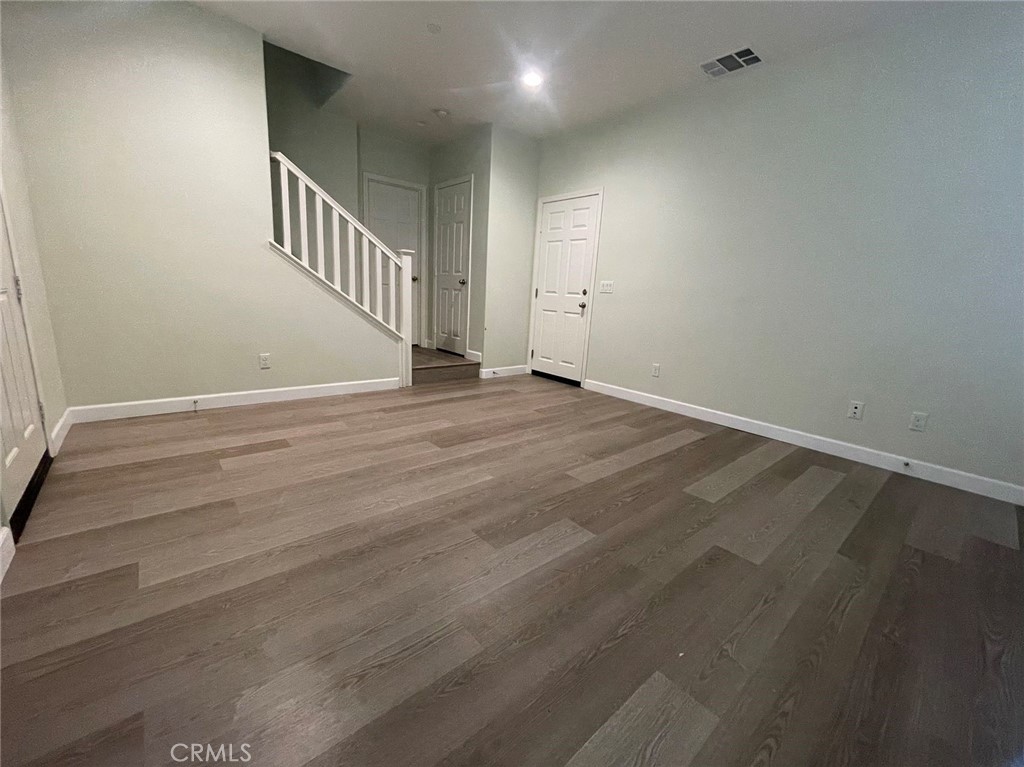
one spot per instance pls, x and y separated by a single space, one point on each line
962 480
513 370
6 550
89 413
59 432
473 356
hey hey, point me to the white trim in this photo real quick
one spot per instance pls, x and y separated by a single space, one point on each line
89 413
469 261
599 191
22 303
473 356
6 550
512 370
423 259
973 483
60 431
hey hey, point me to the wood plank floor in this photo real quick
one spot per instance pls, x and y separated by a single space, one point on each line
509 572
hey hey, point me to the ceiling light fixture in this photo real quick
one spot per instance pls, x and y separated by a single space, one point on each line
442 114
532 79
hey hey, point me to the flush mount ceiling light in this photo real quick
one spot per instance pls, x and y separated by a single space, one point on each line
531 79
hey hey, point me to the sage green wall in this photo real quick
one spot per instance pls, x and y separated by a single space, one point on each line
470 154
320 140
21 225
384 154
511 228
144 134
848 226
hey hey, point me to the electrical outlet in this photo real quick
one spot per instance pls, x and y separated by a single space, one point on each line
656 369
856 410
264 361
607 286
918 421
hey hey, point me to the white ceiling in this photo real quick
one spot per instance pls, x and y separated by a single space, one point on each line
600 58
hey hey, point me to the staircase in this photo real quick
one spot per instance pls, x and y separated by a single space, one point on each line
312 230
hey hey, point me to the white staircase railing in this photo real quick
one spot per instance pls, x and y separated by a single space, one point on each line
335 247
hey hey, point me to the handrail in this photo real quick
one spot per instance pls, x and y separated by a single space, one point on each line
317 189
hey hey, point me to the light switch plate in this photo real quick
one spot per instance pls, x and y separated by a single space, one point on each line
607 286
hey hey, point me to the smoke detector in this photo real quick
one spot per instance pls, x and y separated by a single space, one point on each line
731 63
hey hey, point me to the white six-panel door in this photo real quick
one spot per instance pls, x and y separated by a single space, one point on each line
393 211
22 442
564 280
451 259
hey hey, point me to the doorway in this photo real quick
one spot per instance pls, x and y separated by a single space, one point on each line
22 439
453 217
563 283
396 212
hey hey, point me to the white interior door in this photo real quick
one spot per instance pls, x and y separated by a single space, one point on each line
393 213
22 442
451 272
565 273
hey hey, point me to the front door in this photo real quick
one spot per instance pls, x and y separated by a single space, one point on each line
565 272
453 211
22 442
393 214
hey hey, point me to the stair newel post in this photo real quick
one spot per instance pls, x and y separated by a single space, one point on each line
406 366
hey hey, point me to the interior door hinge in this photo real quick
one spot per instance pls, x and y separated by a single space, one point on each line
42 413
17 286
531 354
536 292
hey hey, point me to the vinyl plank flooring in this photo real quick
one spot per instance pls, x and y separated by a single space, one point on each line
658 726
718 485
508 572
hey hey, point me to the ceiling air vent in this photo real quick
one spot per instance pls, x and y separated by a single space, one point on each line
731 63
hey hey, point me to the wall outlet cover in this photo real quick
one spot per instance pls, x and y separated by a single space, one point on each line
856 410
918 421
264 361
656 369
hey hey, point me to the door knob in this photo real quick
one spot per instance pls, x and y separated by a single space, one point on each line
462 282
415 278
583 304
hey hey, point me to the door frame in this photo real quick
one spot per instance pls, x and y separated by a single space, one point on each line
535 286
469 260
426 333
29 334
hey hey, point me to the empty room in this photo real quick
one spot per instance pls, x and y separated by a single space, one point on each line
512 384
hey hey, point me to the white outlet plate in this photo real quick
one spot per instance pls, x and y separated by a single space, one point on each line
656 369
918 421
607 286
856 410
265 361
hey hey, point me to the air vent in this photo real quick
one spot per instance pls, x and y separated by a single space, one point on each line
731 63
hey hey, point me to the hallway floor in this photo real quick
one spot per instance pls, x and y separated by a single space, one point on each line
510 572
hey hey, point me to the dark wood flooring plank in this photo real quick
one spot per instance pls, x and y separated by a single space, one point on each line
658 726
995 577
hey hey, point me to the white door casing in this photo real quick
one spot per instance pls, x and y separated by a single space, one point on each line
22 439
395 211
453 215
564 270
